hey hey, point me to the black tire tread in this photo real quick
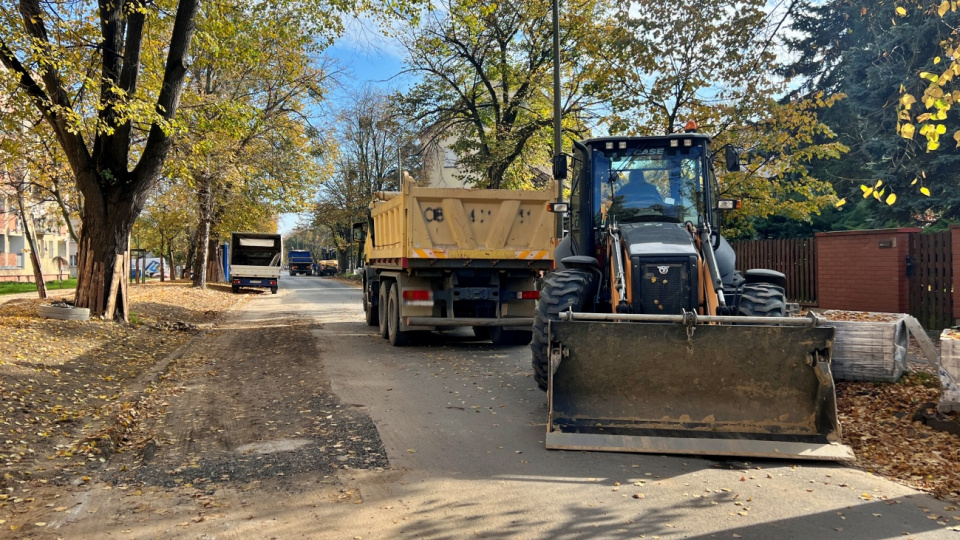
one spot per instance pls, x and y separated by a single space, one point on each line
762 300
561 290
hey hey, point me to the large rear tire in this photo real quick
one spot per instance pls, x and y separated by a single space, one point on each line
762 300
396 336
385 287
370 311
567 289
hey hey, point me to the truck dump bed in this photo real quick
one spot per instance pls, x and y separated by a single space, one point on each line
419 226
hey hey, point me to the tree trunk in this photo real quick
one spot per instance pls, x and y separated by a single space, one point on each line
161 259
104 242
203 232
34 256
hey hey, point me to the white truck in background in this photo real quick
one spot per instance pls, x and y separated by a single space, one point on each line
255 260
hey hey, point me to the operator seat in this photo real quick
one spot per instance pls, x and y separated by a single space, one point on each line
638 192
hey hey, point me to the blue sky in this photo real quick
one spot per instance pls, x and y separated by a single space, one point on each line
368 59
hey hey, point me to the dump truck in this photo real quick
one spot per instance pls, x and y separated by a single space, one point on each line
439 258
300 261
647 339
255 260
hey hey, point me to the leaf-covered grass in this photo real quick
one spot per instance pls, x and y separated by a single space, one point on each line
14 287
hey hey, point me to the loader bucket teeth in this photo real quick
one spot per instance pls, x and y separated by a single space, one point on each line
744 390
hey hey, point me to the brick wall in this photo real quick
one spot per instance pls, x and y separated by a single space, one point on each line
864 270
955 240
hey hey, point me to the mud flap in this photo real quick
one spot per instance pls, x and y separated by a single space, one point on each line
737 390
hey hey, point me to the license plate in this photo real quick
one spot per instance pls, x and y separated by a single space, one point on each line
254 281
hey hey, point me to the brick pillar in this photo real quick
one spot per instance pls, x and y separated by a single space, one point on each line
864 270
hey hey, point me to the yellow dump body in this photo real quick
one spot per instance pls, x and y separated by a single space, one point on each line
423 224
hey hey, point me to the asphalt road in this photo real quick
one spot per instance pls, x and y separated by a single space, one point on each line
463 426
269 435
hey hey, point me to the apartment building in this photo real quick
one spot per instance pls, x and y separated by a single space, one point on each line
57 252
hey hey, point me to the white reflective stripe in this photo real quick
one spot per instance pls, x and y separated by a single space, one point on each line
429 254
529 255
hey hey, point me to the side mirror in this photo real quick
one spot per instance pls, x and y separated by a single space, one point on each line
732 158
358 232
560 167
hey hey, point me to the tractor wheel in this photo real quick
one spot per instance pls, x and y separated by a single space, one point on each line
397 337
369 310
762 300
385 287
561 291
502 338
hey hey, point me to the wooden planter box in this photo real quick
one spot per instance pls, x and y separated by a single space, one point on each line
949 370
870 351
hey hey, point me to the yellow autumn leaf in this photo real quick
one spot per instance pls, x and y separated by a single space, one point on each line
944 7
925 190
907 131
840 203
956 137
892 198
901 11
907 100
932 145
878 184
936 60
941 129
916 179
867 191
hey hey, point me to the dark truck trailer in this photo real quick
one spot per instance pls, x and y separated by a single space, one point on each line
300 262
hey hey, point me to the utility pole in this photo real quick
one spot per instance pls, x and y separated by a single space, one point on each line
557 110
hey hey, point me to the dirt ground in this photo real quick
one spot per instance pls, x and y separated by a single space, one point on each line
93 401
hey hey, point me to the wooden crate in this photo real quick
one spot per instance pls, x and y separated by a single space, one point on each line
949 371
870 351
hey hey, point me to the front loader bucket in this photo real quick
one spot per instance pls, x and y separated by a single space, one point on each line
721 389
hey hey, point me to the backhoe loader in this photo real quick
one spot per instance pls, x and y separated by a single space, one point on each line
647 339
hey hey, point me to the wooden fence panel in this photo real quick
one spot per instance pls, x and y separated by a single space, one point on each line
931 285
794 257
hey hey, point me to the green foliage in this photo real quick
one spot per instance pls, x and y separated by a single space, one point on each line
487 84
878 54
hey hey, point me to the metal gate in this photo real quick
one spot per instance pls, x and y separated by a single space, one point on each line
930 269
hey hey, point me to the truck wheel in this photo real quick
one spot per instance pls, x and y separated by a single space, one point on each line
369 310
235 289
561 291
273 290
385 287
293 274
503 338
397 338
482 332
762 300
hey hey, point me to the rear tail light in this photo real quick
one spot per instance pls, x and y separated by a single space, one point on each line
418 295
530 295
237 281
273 282
418 298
